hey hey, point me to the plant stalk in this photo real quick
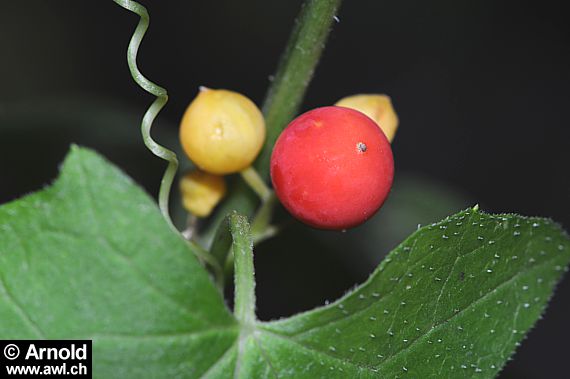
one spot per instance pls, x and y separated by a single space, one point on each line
242 248
295 71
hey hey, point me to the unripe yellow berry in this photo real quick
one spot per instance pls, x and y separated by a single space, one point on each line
222 131
377 107
201 192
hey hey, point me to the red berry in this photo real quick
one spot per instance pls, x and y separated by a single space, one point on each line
332 168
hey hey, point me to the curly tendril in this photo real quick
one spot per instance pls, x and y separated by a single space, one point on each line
148 118
154 109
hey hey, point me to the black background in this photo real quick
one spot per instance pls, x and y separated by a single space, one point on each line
481 88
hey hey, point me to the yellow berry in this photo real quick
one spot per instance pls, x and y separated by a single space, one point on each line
201 192
377 107
222 131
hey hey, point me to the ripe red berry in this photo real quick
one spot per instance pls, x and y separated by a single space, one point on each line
332 168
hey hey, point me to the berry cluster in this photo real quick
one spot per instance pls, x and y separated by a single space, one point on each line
331 168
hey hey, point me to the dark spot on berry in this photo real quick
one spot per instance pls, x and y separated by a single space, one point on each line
361 147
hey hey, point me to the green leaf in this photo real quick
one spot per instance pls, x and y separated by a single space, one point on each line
92 258
453 300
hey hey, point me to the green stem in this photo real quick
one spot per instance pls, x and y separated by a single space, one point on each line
242 248
254 181
261 229
295 71
285 95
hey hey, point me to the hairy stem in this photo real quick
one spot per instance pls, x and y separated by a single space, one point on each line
242 248
295 71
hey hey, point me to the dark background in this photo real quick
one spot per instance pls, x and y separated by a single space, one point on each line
481 88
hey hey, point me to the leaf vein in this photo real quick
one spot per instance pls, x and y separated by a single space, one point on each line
457 257
117 252
476 302
264 355
312 349
186 334
19 309
220 359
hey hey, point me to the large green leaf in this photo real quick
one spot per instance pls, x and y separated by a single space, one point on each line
453 300
91 257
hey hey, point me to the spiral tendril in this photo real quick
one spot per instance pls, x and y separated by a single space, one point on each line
148 119
155 107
